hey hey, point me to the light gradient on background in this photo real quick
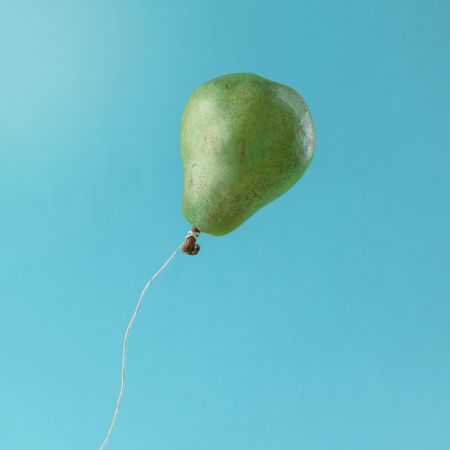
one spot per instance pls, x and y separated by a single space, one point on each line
321 324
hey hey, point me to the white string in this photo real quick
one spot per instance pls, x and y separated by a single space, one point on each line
125 341
192 233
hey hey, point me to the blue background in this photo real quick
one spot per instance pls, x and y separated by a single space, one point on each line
321 324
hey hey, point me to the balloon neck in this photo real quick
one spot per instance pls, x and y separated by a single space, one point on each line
190 246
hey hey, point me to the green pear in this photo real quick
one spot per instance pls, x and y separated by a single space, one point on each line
245 140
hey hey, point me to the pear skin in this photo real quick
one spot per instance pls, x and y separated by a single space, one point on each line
245 140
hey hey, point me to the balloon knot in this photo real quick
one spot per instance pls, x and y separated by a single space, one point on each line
190 245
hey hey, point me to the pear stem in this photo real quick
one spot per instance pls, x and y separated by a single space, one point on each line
190 246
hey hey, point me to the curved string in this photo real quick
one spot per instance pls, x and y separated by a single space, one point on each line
125 342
